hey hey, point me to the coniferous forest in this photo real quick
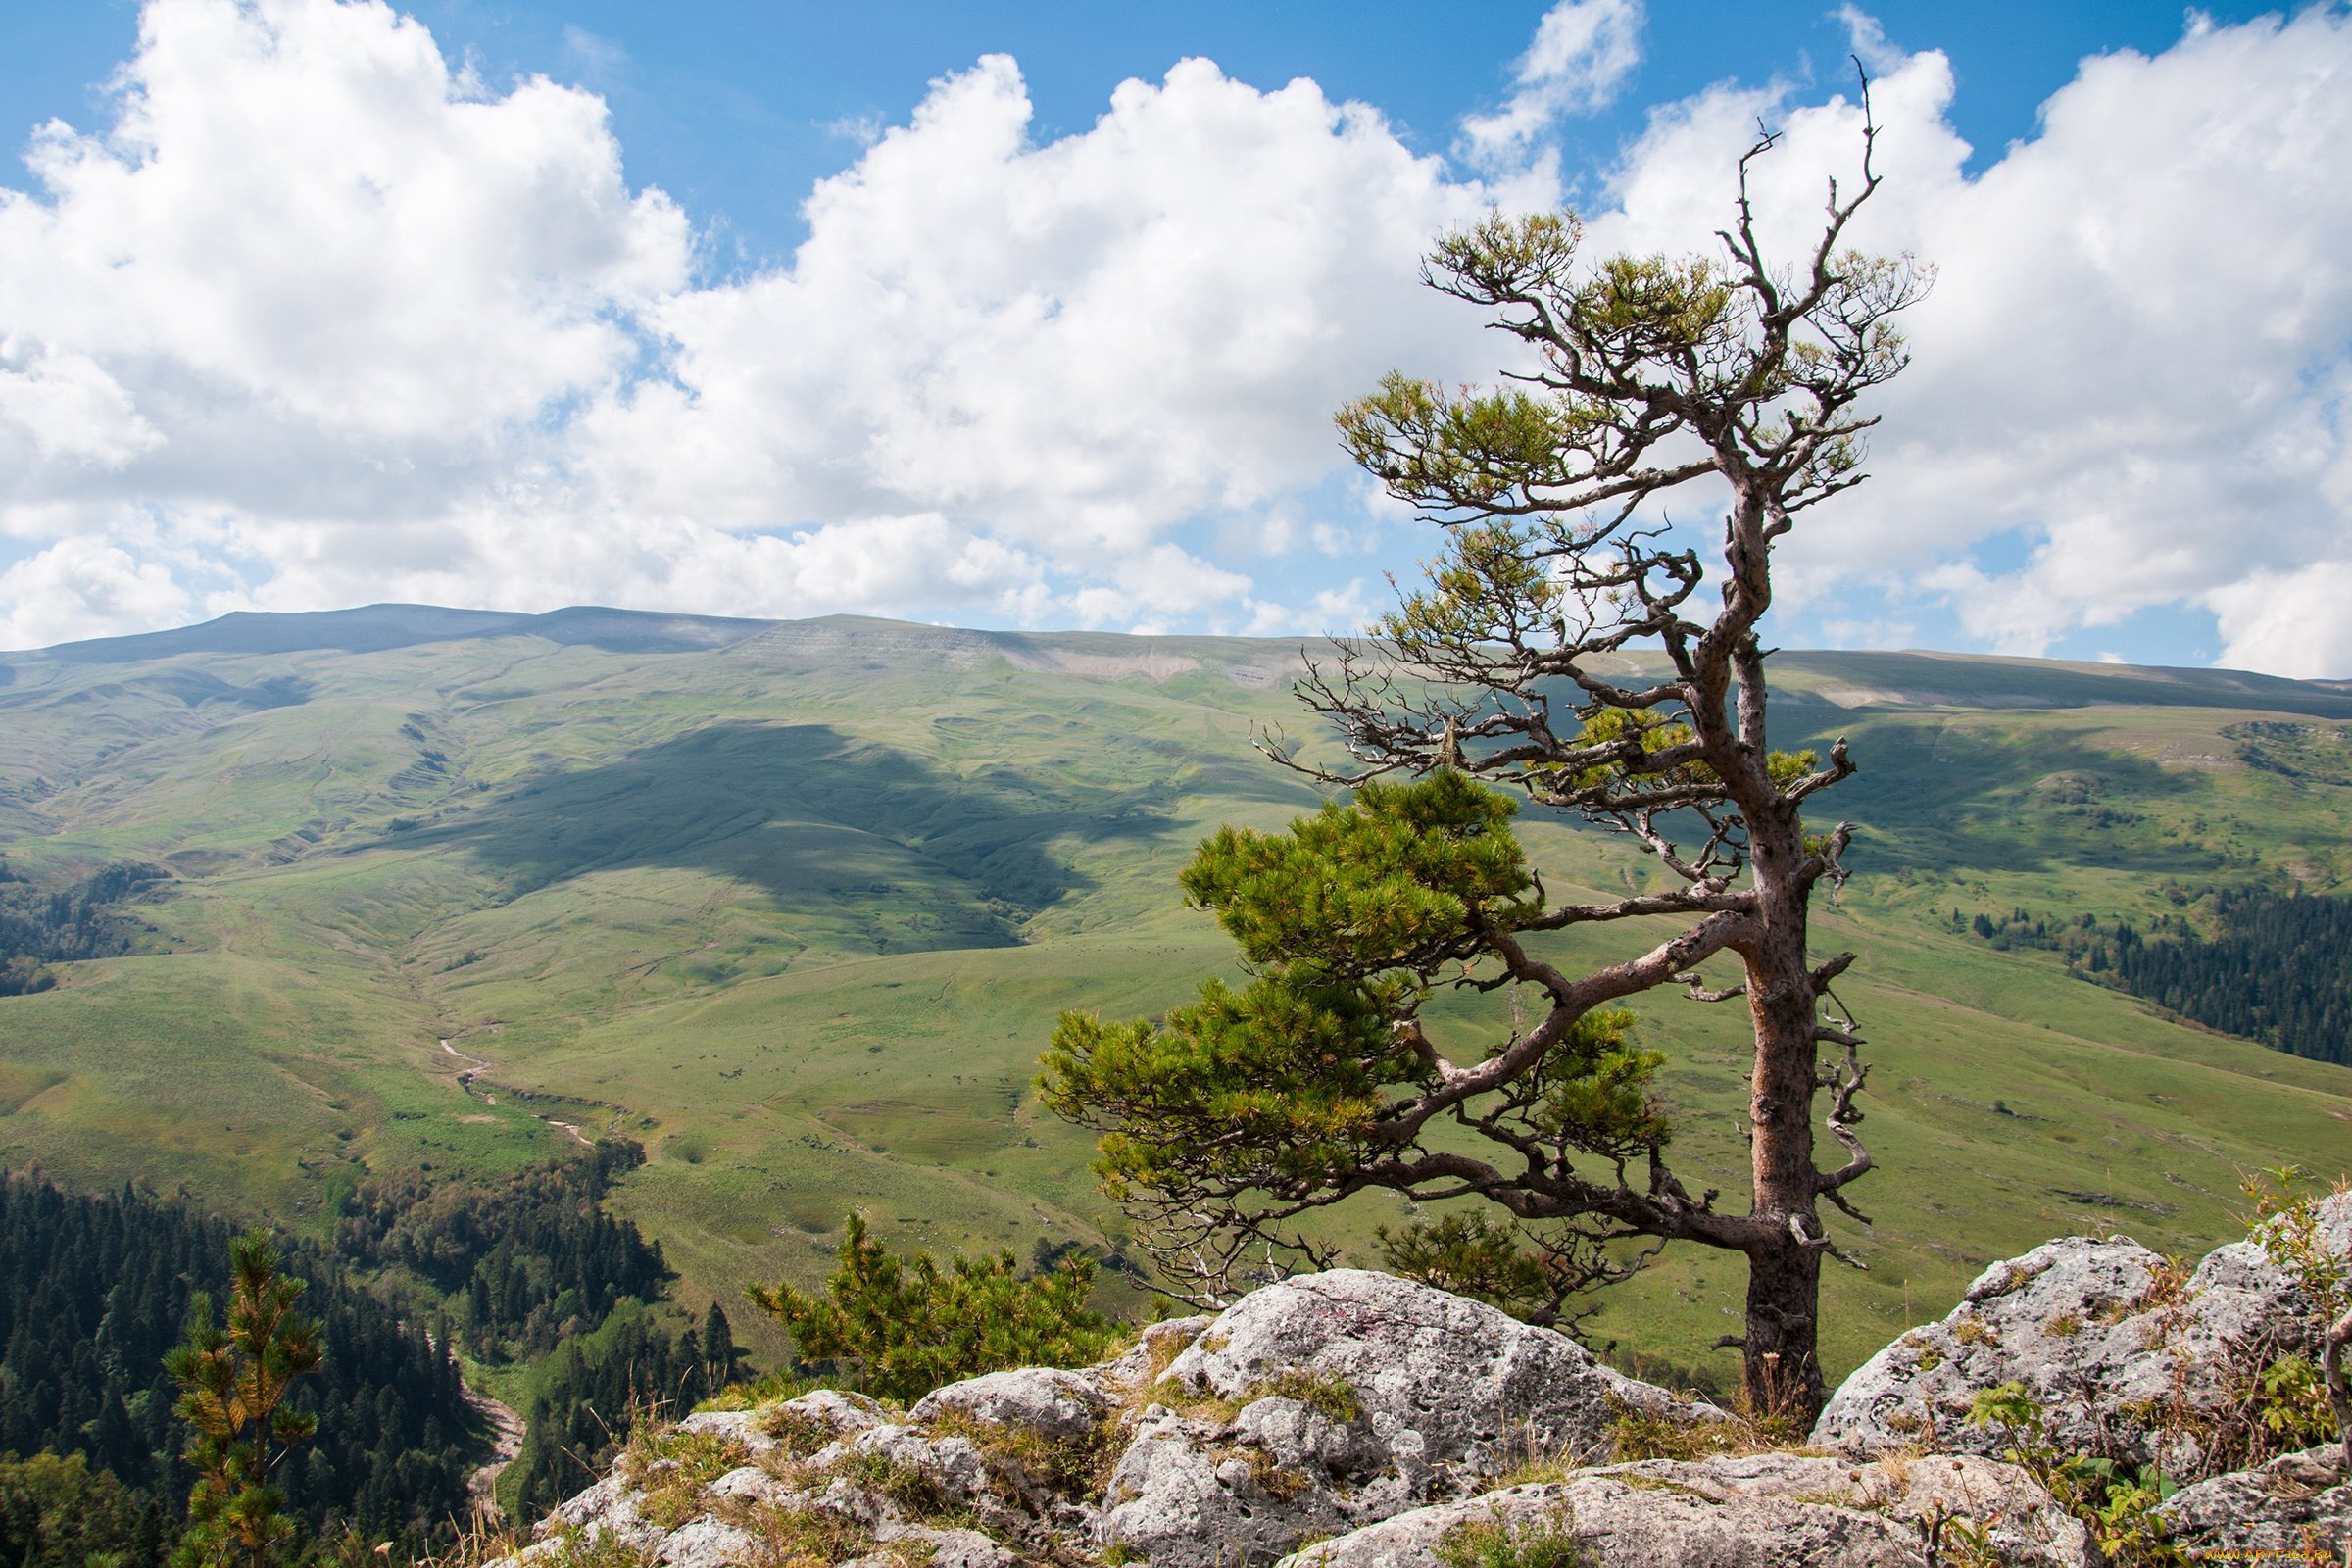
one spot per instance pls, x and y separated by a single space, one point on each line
531 1264
595 1389
41 926
529 1260
95 1290
2274 967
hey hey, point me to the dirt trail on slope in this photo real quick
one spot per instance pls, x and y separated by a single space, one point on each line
473 1068
506 1442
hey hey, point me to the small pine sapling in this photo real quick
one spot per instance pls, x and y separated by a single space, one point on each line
234 1384
907 1325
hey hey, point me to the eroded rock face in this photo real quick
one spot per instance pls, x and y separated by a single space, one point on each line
2298 1503
1309 1409
1757 1511
1367 1415
1325 1402
1058 1406
1450 1381
2113 1340
2077 1321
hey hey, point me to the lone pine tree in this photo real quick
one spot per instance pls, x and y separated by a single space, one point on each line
1230 1121
233 1384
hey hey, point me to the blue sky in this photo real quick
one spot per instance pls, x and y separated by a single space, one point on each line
737 108
1024 366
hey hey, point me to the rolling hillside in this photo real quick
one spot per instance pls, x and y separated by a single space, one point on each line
795 904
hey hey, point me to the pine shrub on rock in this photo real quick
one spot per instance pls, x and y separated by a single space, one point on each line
901 1327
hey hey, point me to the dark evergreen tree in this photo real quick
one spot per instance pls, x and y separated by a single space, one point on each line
234 1382
720 1355
58 1512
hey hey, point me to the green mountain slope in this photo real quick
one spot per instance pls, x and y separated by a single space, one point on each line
797 904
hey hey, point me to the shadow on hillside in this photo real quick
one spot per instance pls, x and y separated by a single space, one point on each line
2024 797
824 822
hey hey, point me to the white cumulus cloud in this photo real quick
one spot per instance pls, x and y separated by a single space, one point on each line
2135 361
1076 344
84 588
2291 622
331 320
1582 52
318 317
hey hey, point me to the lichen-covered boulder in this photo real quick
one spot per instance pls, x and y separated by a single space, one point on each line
735 1426
2077 1321
1149 1357
1452 1381
1325 1402
2126 1352
1057 1406
1355 1420
2298 1504
610 1507
952 1548
706 1543
943 1470
1188 1494
814 1419
1757 1511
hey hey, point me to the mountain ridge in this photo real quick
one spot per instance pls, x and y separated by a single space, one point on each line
1848 677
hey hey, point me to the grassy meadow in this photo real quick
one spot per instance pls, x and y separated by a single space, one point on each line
797 907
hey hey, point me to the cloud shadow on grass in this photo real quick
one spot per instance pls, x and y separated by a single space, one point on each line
2027 795
822 821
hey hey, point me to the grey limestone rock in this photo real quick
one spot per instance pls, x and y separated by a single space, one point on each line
1453 1381
1311 1408
937 1549
2072 1320
2100 1333
829 1411
951 1466
1364 1414
2298 1504
705 1543
1184 1495
1322 1403
1056 1406
1757 1511
1155 1348
749 1483
735 1426
608 1506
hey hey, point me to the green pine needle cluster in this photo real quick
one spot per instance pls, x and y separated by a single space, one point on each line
905 1326
234 1384
1348 921
1346 918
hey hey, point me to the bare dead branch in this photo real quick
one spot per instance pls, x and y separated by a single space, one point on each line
1699 991
1843 1117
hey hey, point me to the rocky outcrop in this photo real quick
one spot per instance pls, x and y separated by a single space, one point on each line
1332 1400
2296 1504
1353 1420
1448 1382
1756 1512
2129 1353
1309 1409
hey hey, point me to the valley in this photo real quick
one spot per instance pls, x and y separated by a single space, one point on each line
795 905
